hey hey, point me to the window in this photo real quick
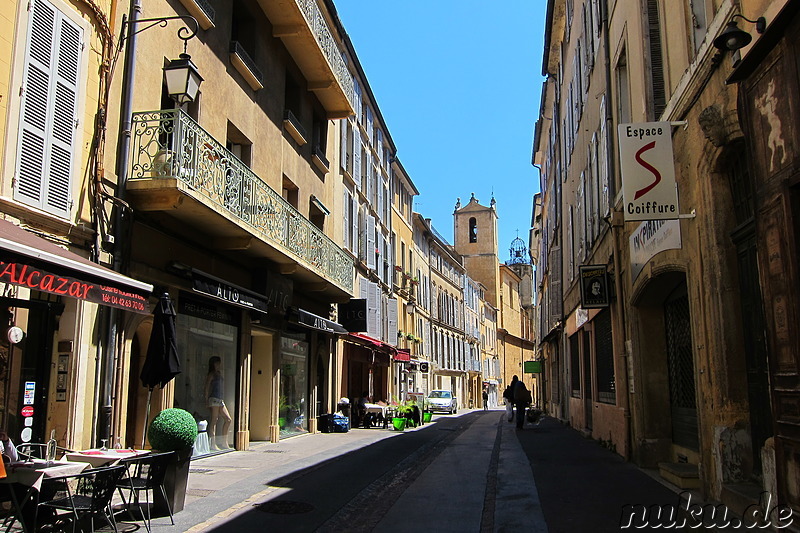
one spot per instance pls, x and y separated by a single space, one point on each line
473 230
238 144
657 83
623 89
48 116
289 192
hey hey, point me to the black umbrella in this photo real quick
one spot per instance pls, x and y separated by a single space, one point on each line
162 362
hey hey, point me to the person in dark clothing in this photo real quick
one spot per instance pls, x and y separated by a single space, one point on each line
522 399
508 396
485 398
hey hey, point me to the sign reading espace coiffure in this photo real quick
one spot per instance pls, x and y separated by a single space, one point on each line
649 191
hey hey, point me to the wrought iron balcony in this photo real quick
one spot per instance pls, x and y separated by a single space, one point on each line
305 33
173 159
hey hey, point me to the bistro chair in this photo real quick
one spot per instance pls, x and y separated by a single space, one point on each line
29 451
85 495
145 473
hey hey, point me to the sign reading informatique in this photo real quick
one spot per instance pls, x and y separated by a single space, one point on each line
649 190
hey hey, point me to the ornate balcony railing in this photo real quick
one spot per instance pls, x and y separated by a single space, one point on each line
169 144
327 43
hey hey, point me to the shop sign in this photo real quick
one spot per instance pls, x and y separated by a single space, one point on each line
226 292
317 322
353 315
26 411
25 275
30 393
532 367
650 238
594 286
649 190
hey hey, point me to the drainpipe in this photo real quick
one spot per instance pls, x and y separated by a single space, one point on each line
617 226
121 225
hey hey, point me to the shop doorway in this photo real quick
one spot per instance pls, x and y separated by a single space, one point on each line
261 374
680 364
25 367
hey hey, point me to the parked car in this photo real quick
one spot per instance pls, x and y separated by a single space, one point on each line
442 400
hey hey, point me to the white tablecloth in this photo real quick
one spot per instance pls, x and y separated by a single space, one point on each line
32 474
98 458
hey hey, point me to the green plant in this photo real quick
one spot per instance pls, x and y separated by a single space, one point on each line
172 429
403 407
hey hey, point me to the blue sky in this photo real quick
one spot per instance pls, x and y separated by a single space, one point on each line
458 84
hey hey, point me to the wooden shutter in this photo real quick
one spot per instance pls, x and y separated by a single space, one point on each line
354 221
372 309
381 257
656 59
48 118
370 178
363 289
343 124
357 157
605 205
369 252
381 197
348 224
369 125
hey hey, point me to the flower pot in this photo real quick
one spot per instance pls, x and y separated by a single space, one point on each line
399 423
282 422
175 483
427 416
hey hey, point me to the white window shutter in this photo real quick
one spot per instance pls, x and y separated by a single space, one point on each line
379 246
370 250
343 124
354 228
357 157
372 309
346 229
49 110
369 125
370 175
363 289
392 321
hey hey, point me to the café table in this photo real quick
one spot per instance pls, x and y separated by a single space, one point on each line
24 480
98 457
377 409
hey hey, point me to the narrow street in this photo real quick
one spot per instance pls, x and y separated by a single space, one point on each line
470 472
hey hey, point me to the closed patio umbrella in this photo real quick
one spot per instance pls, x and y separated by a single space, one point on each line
161 363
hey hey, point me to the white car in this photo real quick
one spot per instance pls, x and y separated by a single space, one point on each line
442 400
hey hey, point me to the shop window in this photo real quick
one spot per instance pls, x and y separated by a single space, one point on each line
206 331
293 401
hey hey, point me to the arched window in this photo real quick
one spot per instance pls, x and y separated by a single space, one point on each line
473 230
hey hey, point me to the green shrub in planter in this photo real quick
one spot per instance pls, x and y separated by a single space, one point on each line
172 429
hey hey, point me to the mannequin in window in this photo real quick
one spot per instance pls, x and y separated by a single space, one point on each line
214 391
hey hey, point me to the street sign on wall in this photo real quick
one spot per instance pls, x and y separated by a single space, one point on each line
532 367
649 190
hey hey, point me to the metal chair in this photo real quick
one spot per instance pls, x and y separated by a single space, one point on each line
84 495
145 473
38 450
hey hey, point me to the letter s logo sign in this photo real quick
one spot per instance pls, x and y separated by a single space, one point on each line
648 166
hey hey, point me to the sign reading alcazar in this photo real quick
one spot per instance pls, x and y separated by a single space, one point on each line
649 191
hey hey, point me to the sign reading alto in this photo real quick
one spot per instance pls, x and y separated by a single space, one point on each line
649 191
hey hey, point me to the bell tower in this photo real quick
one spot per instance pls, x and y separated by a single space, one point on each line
475 235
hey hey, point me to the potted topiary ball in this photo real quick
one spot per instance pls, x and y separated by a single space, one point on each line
173 430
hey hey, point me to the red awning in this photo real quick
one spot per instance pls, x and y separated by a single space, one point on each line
31 261
403 354
366 339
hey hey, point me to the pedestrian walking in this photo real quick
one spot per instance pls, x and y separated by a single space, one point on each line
522 399
485 399
508 398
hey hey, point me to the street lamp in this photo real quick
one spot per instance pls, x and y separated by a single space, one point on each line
182 79
410 306
733 38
